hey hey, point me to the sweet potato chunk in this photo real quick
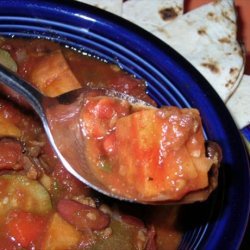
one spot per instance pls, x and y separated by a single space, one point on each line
53 76
60 235
166 152
8 128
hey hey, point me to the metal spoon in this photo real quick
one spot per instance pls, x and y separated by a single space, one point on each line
59 114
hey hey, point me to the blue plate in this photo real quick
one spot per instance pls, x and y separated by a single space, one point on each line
171 81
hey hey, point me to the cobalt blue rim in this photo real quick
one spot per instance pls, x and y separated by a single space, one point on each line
246 132
171 80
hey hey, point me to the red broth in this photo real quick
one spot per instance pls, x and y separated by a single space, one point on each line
42 206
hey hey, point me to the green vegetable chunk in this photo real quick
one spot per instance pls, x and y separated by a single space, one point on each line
123 237
7 60
19 192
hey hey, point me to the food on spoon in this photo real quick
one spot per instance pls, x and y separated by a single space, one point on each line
166 149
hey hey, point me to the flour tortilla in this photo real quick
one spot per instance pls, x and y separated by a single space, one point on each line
113 6
152 14
239 103
206 37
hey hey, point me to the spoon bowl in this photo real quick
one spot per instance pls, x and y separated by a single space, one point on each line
60 116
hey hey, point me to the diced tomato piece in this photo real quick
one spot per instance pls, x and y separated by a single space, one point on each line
10 155
100 114
6 243
25 227
82 216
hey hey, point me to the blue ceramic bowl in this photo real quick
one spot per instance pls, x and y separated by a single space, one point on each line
171 80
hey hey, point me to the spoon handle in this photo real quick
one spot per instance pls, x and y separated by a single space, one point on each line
26 90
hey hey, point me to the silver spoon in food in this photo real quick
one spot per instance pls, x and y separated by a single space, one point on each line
123 147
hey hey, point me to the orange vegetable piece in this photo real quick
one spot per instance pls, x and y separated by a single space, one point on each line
53 76
25 227
60 235
8 129
166 152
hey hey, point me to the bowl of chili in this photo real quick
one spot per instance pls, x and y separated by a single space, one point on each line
150 70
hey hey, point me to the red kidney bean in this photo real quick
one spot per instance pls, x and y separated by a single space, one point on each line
82 216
